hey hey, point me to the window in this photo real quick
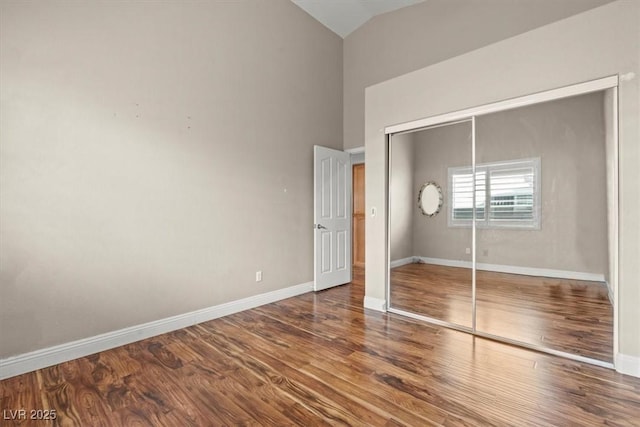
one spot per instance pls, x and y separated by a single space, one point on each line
507 195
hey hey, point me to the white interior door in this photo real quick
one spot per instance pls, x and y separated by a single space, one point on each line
332 217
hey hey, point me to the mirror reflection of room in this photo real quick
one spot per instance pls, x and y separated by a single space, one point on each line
543 220
542 244
419 285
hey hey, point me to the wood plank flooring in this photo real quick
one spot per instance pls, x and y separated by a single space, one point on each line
567 315
321 359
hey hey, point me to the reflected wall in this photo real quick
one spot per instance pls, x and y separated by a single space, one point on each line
417 239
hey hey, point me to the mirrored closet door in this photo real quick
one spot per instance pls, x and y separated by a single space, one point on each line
503 224
542 235
430 272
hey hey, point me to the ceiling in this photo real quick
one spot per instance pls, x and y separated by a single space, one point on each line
344 16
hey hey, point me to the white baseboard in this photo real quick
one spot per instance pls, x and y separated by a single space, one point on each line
39 359
375 304
513 269
628 365
403 261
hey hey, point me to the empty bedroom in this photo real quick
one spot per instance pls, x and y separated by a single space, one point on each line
319 212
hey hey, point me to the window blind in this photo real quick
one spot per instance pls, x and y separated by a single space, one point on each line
507 194
511 194
462 195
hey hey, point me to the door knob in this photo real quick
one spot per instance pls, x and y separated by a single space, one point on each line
320 227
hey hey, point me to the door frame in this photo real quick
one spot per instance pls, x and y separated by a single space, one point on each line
602 84
357 158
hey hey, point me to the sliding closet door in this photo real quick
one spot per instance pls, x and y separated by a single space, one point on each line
430 233
541 227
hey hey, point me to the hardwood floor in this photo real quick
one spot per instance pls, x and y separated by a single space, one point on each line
567 315
321 359
435 291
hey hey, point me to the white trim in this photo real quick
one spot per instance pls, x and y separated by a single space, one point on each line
508 104
357 159
387 210
356 150
547 350
468 330
433 320
446 262
474 232
402 261
39 359
357 155
527 271
614 276
375 304
627 364
467 119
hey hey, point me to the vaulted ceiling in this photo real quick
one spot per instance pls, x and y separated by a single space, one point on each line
344 16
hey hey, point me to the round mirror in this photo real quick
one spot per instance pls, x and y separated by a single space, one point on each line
430 198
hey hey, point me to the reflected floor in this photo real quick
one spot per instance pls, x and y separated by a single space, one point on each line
573 316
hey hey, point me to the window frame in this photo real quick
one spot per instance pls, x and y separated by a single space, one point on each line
487 168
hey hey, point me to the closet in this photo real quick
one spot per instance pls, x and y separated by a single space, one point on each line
503 221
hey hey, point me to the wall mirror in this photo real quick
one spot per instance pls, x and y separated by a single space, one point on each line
523 245
420 285
430 198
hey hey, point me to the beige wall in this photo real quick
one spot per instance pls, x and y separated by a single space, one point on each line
408 39
403 201
436 150
601 42
153 156
568 136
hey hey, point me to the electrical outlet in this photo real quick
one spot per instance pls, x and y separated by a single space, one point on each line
485 252
259 276
467 251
